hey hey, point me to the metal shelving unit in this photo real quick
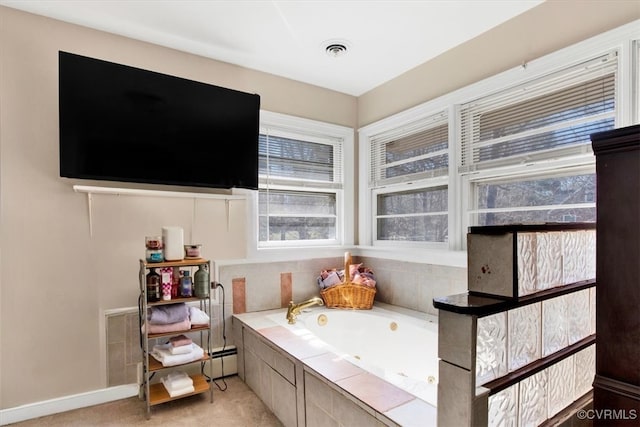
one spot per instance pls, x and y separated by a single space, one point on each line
155 394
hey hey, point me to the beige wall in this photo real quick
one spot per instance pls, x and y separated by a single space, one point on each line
552 25
56 279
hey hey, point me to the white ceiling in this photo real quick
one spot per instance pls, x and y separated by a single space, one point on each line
385 38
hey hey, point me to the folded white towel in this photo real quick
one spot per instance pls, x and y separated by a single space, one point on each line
180 391
181 349
177 381
198 317
161 354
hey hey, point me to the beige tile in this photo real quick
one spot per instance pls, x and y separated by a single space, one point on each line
416 413
332 366
291 343
375 392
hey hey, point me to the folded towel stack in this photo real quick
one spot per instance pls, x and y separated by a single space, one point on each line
198 317
180 344
180 340
167 314
185 325
162 353
177 384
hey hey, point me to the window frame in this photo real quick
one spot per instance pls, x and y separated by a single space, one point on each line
623 40
316 131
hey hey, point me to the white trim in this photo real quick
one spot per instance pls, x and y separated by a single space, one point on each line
66 403
326 133
420 255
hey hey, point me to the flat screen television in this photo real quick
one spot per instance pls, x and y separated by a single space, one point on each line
125 124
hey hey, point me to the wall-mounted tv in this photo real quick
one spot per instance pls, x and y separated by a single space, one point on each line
125 124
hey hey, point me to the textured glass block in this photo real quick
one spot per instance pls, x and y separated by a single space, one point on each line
491 348
526 256
554 325
591 254
592 309
533 400
525 331
503 408
585 370
549 260
579 315
560 387
574 256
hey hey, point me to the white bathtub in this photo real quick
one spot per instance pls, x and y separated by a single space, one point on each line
400 348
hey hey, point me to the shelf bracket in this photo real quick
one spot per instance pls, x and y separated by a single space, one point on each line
89 207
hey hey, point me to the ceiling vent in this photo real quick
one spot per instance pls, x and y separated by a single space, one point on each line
336 49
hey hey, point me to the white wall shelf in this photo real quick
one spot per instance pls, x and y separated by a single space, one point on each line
90 190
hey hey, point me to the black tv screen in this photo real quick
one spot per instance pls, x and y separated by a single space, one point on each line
120 123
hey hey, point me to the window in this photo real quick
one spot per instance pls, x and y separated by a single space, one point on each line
517 138
512 148
535 199
301 182
409 171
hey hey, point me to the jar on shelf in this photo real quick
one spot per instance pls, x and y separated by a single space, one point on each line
153 242
154 255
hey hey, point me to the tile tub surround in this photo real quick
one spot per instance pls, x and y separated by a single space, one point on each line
331 386
268 286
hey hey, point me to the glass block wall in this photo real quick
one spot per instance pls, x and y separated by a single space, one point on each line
549 259
509 340
544 394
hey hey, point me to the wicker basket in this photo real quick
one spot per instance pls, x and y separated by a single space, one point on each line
347 294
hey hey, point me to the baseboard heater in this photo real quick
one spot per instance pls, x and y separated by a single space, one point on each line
223 358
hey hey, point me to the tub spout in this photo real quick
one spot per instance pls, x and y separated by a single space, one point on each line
295 309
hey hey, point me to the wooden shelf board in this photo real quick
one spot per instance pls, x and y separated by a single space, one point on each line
196 328
182 263
158 394
174 301
154 365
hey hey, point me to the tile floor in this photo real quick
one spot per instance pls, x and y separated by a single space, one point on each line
237 406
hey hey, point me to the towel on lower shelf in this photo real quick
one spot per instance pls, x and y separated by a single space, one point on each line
162 354
177 381
165 314
178 389
198 317
171 327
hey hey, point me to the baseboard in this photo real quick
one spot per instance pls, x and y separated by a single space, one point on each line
66 403
220 358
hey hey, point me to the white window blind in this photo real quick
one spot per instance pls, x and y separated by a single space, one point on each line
412 152
291 159
548 117
300 186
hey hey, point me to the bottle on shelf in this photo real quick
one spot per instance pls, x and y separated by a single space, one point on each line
201 282
175 285
186 285
153 286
